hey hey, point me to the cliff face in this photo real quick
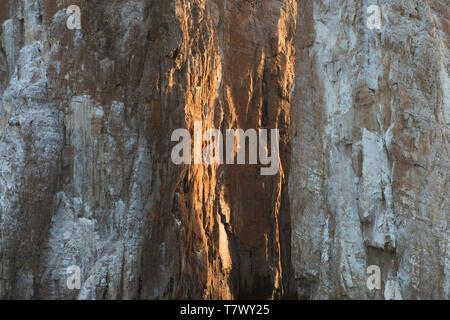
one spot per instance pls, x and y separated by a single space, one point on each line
86 176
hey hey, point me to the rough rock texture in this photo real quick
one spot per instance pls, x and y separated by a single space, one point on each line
86 178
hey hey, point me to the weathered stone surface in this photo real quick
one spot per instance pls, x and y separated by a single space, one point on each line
370 127
86 178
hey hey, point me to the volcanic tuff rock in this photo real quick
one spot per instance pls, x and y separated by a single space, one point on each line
86 118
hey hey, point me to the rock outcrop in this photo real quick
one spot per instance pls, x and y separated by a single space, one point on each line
86 176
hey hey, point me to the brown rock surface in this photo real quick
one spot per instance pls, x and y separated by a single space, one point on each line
86 176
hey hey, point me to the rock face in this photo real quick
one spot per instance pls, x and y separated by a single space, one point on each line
86 176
